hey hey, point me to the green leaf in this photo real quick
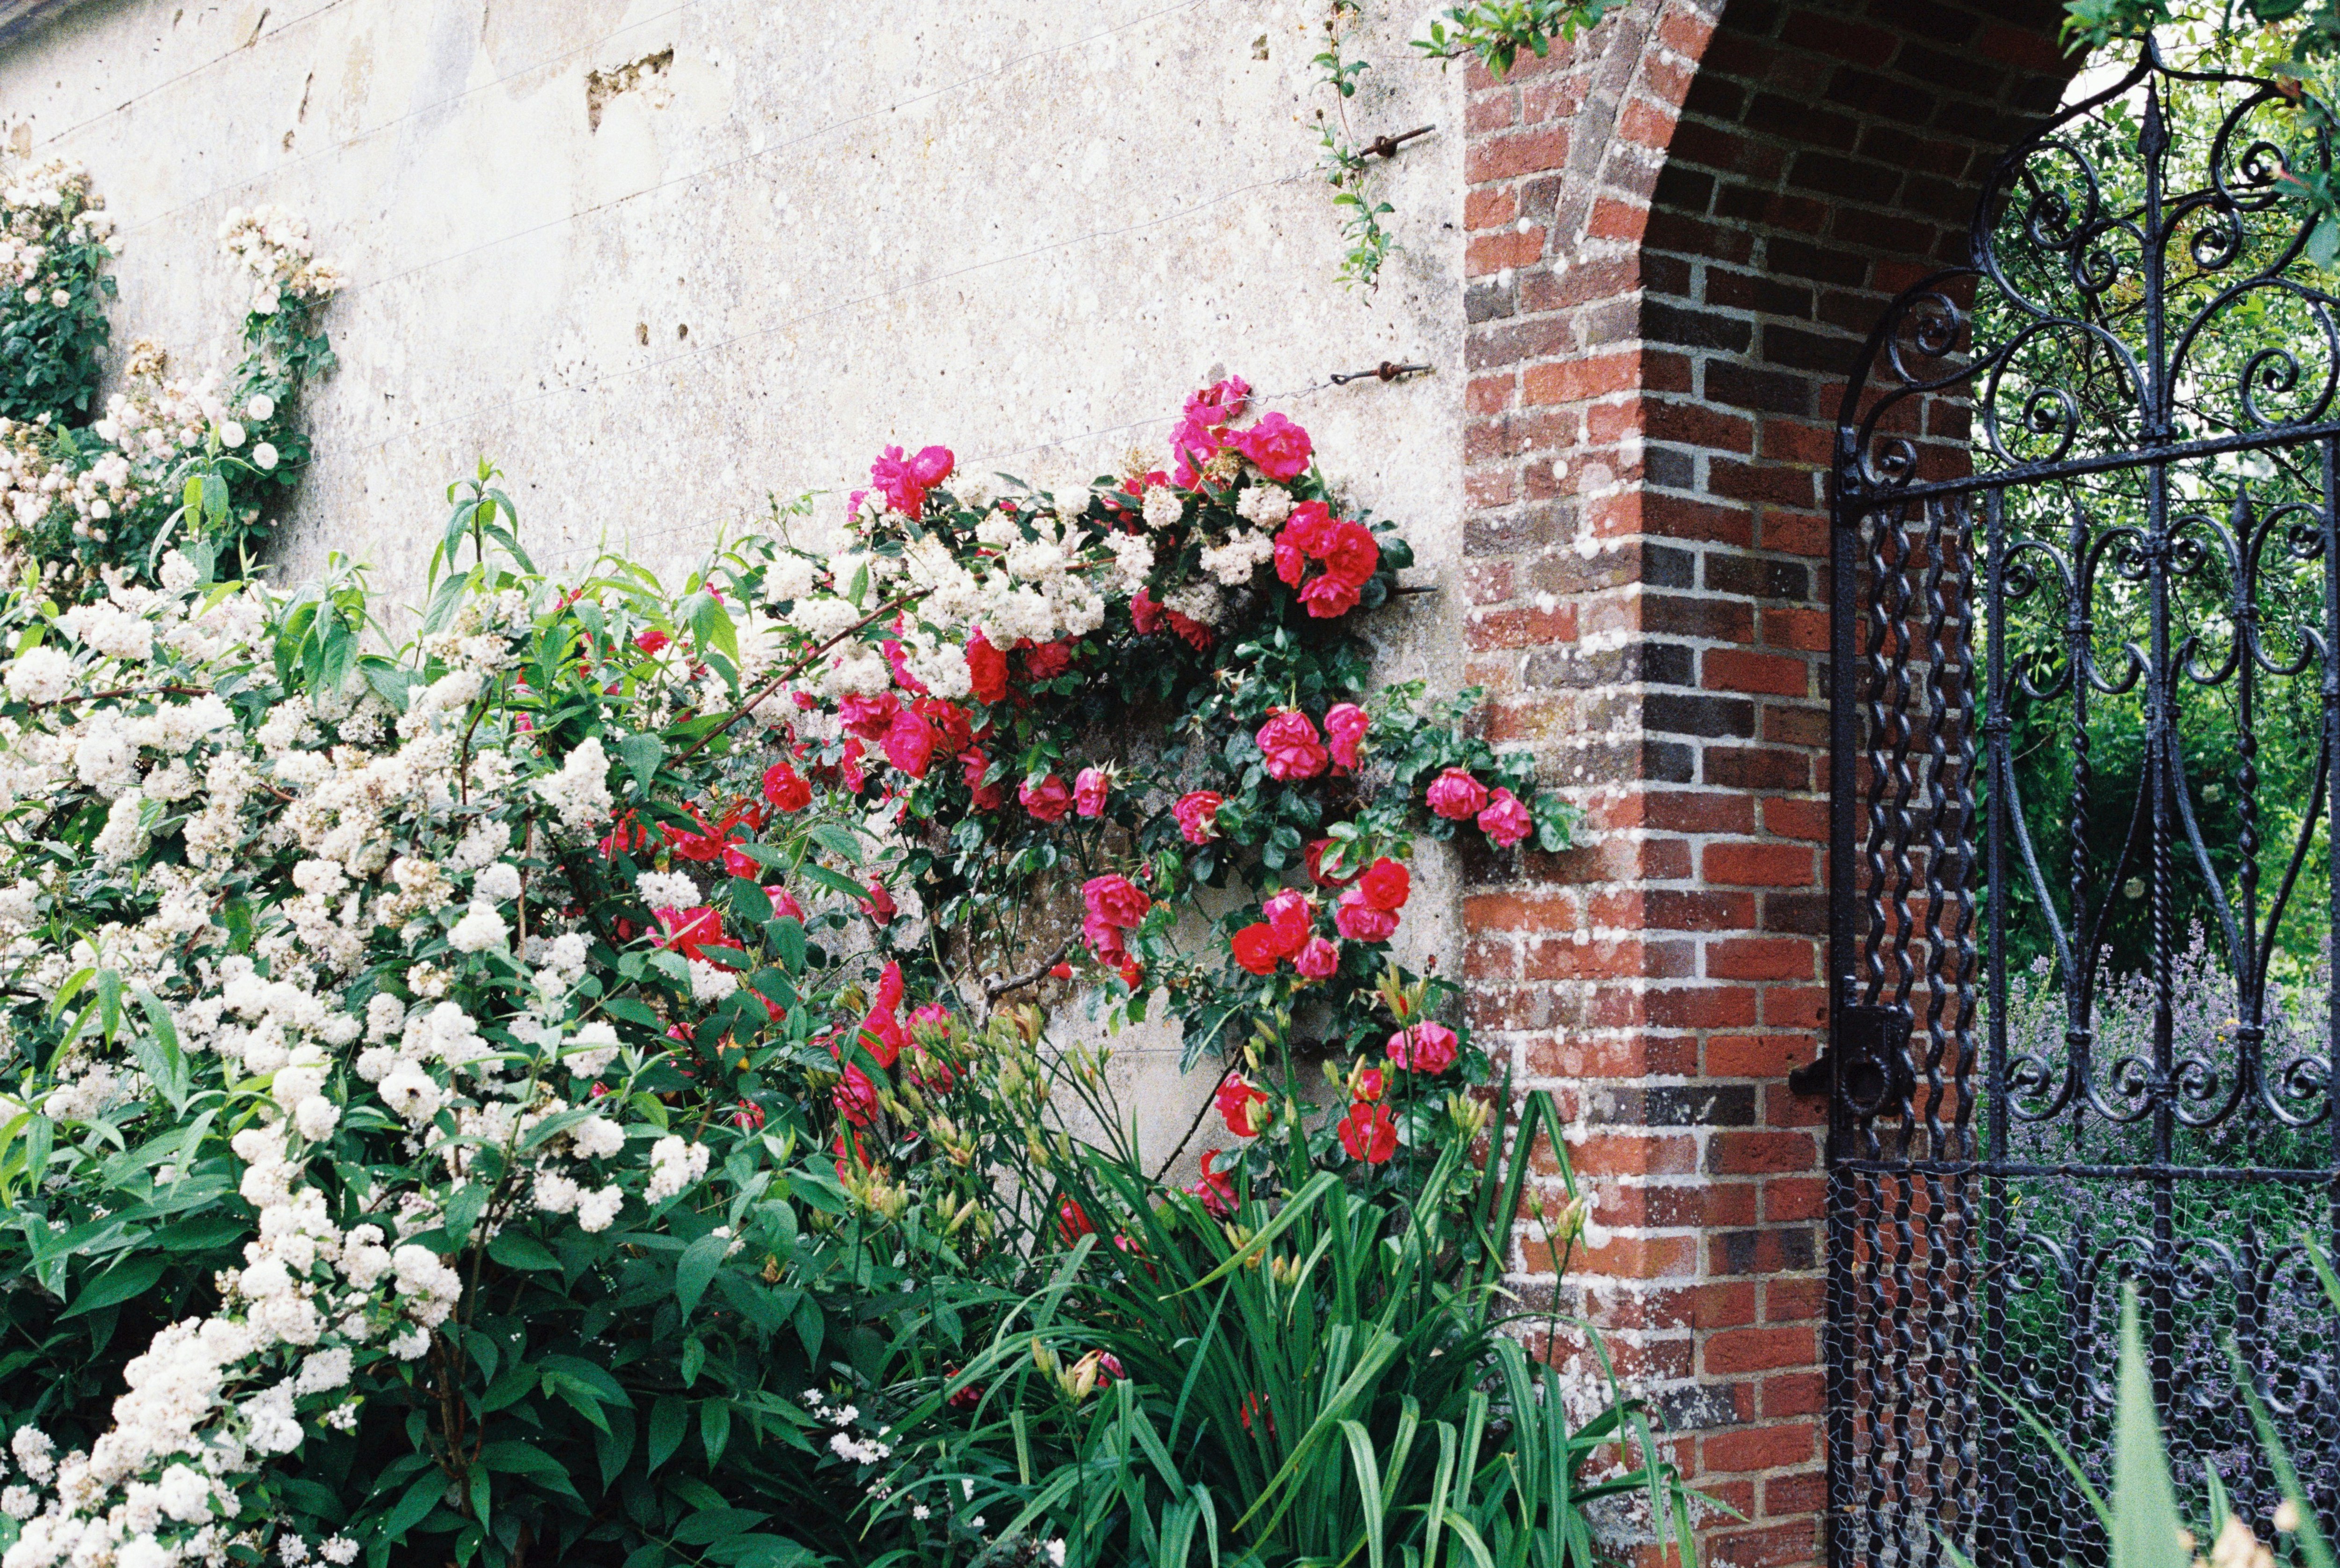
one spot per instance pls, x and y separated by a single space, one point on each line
714 1427
842 843
709 1525
420 1500
667 1426
526 1459
697 1269
786 936
118 1285
514 1250
641 752
2146 1522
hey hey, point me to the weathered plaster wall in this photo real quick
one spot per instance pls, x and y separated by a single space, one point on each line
1022 228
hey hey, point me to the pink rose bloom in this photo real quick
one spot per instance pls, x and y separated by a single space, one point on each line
1318 959
1089 791
784 903
1048 801
1454 794
1425 1047
1344 731
1115 901
909 743
1198 815
1293 919
1276 447
1505 820
906 480
1293 749
867 717
1356 917
1386 885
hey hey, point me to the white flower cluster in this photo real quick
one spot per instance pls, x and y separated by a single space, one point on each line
274 246
373 821
43 206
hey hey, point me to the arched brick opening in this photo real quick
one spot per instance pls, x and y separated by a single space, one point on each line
1681 230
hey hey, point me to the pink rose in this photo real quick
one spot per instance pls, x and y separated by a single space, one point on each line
1505 820
1318 959
1048 801
1424 1048
1115 901
909 743
1344 731
1454 794
1276 447
906 480
1089 792
1356 918
1293 919
1197 815
1293 749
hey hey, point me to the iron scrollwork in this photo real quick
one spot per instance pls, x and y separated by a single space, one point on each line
2086 710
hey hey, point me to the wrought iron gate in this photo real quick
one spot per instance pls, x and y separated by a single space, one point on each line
2085 708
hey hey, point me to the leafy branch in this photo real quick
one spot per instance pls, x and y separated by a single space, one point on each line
1495 32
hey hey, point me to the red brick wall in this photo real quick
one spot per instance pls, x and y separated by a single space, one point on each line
1681 229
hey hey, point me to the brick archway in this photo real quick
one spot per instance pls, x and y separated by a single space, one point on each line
1680 232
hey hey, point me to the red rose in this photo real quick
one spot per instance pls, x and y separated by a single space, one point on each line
1302 535
1256 948
1360 921
954 731
1217 1188
1293 919
975 765
855 1097
1290 744
878 904
1314 856
910 744
651 641
1046 801
1115 901
1144 614
1241 1105
1347 551
987 668
1073 1221
1049 660
1386 885
1276 447
785 788
1369 1132
867 717
1198 815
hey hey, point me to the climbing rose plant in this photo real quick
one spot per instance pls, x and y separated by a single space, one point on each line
509 1094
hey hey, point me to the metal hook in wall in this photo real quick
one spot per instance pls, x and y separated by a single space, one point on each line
1388 371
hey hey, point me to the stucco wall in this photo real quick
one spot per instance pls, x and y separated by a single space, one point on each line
1021 228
